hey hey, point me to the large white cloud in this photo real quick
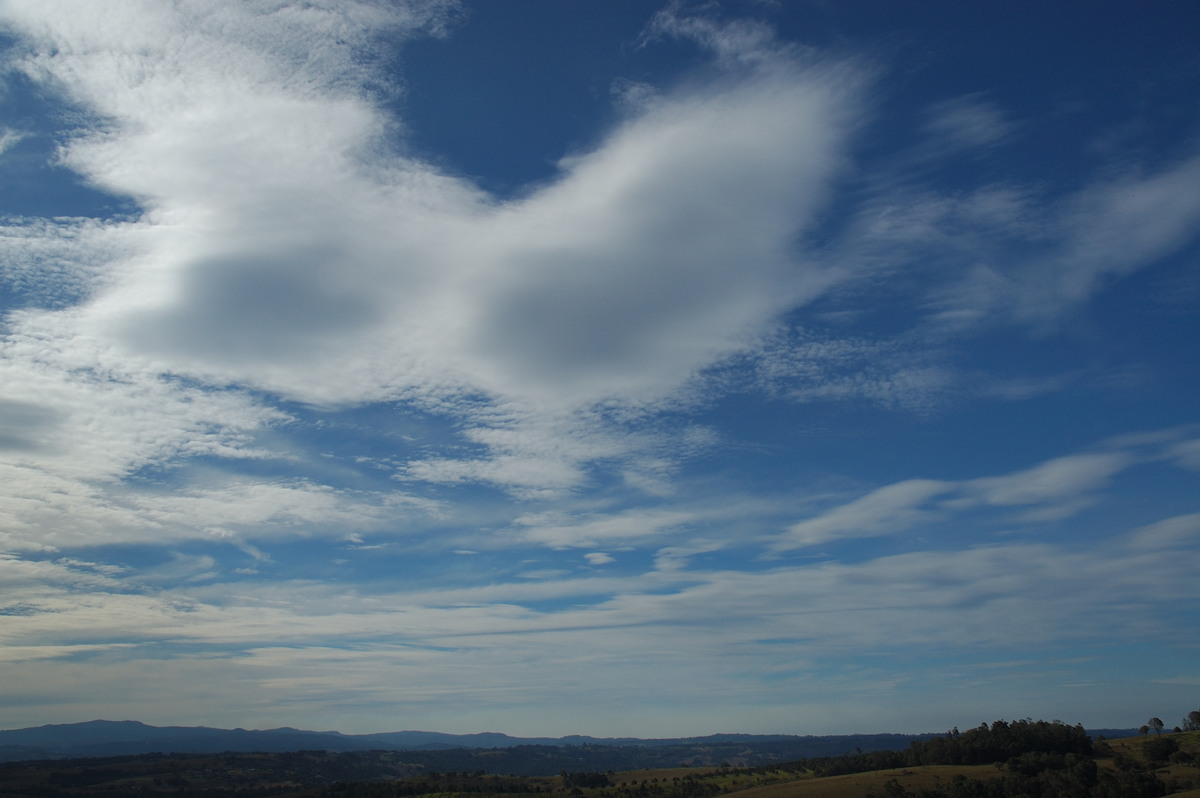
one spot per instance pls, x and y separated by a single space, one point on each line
288 245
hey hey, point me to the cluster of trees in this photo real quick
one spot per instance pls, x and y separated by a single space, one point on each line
1000 742
1191 722
1058 763
982 745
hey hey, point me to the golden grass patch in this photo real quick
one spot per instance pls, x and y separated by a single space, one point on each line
855 785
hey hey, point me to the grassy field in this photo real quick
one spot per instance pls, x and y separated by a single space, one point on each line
1132 746
855 785
858 784
1172 774
659 774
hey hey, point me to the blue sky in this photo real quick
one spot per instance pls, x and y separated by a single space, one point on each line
639 368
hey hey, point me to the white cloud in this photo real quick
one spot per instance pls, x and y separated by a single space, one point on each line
1104 232
479 646
619 279
1187 453
97 419
1066 480
806 367
971 254
1169 532
258 506
527 453
733 42
967 122
59 262
669 247
1015 389
1051 490
802 601
662 250
9 138
633 526
671 559
288 245
880 512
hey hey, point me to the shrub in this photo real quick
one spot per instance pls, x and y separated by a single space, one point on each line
1159 749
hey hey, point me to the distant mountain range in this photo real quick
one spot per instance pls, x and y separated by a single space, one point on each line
103 738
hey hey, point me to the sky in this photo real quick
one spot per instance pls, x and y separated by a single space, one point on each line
631 368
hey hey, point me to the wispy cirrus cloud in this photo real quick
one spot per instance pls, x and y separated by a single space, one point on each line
968 122
987 598
560 530
879 512
1052 490
1103 232
1057 487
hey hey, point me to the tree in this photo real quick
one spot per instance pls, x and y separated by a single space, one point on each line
1156 724
1159 749
1192 721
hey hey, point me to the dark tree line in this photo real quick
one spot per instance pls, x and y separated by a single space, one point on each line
982 745
1059 763
1039 759
1001 741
